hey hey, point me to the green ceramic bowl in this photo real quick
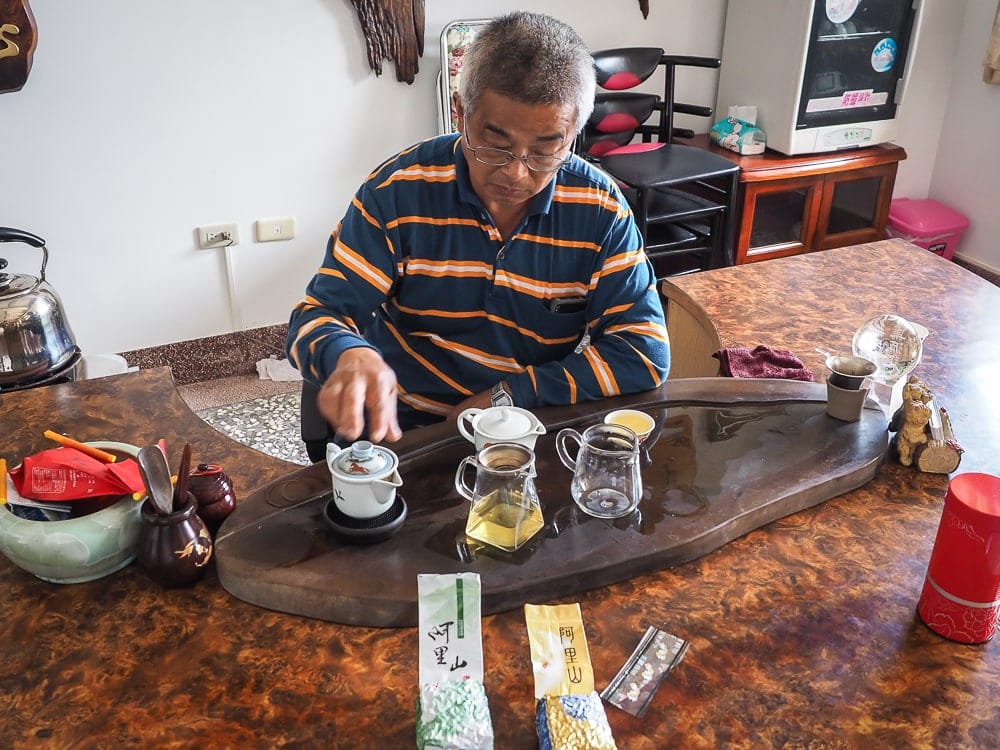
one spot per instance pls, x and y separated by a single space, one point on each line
77 549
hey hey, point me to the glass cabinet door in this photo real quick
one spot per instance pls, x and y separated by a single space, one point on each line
855 204
779 218
854 61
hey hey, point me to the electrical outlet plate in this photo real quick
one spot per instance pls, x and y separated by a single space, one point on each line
218 235
269 230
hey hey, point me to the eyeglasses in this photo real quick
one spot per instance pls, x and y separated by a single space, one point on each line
499 157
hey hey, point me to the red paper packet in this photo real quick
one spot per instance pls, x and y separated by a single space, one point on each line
69 474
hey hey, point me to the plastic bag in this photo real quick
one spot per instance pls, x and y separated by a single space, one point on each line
69 474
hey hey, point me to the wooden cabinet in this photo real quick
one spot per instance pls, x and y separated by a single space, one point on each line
798 204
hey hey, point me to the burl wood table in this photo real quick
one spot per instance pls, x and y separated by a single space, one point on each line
803 633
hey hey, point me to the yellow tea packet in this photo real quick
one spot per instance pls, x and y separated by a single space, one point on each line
569 714
559 655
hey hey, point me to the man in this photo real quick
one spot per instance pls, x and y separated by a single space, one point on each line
488 266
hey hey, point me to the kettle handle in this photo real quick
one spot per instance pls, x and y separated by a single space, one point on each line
8 234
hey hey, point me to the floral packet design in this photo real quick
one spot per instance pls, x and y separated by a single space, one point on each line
633 687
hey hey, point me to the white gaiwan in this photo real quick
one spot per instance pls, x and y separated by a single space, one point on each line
500 424
365 478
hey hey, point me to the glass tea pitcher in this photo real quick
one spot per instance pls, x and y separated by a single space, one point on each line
505 512
606 479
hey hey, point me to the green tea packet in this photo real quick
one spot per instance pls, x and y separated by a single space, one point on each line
569 714
452 710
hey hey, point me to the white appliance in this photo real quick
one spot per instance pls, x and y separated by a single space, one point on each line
824 74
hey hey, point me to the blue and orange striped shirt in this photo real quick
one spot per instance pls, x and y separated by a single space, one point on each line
417 270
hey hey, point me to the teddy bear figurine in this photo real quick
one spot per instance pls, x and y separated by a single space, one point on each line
930 448
914 389
912 432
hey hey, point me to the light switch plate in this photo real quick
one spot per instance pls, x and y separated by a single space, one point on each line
269 230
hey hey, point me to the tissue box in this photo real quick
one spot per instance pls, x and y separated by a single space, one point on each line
739 136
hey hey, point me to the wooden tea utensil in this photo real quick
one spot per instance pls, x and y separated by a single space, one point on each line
156 475
183 477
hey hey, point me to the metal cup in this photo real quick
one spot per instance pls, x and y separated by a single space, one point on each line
849 372
845 404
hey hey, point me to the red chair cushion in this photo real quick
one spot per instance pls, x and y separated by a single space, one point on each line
625 67
621 81
635 148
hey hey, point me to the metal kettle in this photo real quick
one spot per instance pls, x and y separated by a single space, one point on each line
36 340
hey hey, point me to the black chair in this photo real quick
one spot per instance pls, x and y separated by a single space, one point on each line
314 429
684 198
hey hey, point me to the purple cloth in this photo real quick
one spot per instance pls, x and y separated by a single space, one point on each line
762 362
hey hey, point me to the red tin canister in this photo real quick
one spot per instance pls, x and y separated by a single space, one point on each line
961 595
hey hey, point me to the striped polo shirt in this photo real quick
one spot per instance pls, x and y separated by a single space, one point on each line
565 310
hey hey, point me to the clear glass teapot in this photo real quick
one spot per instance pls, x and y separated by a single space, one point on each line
505 512
606 479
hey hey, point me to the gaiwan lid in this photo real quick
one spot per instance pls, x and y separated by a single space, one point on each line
505 422
363 459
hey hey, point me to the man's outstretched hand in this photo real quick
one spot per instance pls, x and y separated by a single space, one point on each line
362 383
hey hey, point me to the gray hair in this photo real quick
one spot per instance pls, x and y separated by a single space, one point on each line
532 58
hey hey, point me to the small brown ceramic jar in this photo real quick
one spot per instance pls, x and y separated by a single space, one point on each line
214 492
174 548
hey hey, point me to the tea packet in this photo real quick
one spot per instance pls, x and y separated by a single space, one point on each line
68 474
633 687
569 714
452 710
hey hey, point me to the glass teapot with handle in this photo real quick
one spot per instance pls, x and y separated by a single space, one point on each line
505 512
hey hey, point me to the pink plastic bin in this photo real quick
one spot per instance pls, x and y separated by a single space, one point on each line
927 223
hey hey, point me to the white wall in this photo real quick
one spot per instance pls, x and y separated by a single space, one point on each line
142 120
968 155
928 77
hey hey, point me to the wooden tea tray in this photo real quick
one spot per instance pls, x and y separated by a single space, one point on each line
727 456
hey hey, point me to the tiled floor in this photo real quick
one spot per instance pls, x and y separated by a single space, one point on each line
263 414
234 389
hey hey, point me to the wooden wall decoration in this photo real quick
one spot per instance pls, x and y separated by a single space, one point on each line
394 30
17 43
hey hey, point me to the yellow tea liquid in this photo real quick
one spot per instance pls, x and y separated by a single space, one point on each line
504 519
639 423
